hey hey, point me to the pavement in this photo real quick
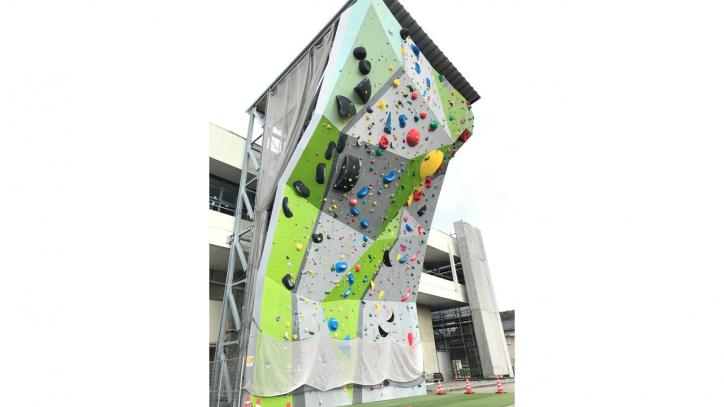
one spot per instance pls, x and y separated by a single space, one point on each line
481 386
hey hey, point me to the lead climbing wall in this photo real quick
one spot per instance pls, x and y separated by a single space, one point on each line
335 304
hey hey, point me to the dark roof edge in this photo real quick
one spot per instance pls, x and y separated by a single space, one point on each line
437 59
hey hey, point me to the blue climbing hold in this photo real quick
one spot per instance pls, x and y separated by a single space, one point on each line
364 224
340 267
403 121
408 227
354 211
404 259
379 191
365 238
363 192
416 118
415 50
388 124
364 278
333 324
346 293
390 177
427 82
350 278
417 68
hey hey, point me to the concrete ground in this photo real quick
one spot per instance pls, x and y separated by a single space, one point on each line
483 386
477 399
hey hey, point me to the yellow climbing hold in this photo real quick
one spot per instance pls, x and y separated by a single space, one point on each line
381 104
381 293
396 83
298 246
372 285
430 163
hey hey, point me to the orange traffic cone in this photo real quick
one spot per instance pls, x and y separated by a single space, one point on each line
247 402
258 402
439 388
500 386
468 388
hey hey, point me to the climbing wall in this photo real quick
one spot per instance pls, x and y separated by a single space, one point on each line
341 268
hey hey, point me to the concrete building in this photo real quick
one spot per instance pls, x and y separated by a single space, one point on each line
460 326
508 319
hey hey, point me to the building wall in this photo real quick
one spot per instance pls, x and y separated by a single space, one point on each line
427 338
510 340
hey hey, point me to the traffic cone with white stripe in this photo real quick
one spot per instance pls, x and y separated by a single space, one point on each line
247 402
468 388
500 386
258 402
439 388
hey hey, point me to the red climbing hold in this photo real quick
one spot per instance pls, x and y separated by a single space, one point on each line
413 137
410 338
384 142
352 201
357 267
423 115
417 196
414 95
428 182
464 136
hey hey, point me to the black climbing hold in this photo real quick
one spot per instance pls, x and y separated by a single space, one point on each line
404 33
359 53
317 238
364 90
348 173
382 332
330 150
392 318
342 142
301 189
386 259
287 281
421 211
345 107
285 207
320 173
365 66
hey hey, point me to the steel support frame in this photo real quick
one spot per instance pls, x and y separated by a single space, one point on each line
221 373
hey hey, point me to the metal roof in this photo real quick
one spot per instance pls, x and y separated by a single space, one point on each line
437 59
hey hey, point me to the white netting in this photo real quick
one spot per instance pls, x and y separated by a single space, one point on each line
325 363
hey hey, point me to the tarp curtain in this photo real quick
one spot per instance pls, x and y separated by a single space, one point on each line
287 108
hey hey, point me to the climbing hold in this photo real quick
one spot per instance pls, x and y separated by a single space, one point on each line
428 182
408 227
384 142
369 109
417 68
350 278
395 83
357 267
365 66
414 95
381 104
346 292
410 338
319 177
364 90
392 317
431 163
415 50
341 141
423 115
348 174
317 238
386 259
404 259
301 189
464 136
365 238
285 207
299 247
364 223
359 53
417 196
433 124
388 123
352 201
345 107
354 211
413 137
340 266
380 294
382 332
330 150
416 118
332 324
363 192
288 283
403 121
390 177
421 211
404 33
406 296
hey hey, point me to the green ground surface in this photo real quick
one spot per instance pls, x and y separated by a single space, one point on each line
449 400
